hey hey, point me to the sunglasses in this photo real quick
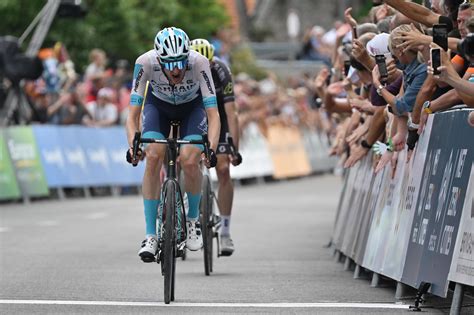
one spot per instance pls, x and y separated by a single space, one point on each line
170 65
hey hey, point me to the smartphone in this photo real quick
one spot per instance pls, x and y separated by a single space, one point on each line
354 32
435 54
380 61
440 35
347 65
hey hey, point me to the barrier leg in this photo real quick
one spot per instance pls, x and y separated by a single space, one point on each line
115 191
338 256
61 194
347 263
375 280
357 271
400 291
456 304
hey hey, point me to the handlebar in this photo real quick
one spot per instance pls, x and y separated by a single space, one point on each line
137 140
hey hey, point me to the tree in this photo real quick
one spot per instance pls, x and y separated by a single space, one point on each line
123 28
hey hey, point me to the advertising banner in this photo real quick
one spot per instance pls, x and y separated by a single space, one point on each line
400 231
8 185
119 171
26 160
54 162
287 152
384 216
439 206
356 211
257 161
354 182
462 266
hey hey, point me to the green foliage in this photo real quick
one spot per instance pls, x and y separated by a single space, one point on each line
243 60
123 28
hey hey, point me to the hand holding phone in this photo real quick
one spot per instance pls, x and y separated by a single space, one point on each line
380 61
435 56
440 35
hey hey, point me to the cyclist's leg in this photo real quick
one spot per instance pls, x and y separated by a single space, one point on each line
192 127
225 194
155 125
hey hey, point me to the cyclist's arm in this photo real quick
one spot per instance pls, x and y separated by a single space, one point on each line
229 105
140 78
209 99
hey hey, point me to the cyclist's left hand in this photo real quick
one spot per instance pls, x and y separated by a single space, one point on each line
212 160
236 159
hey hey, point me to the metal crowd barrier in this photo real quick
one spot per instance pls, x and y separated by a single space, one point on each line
415 226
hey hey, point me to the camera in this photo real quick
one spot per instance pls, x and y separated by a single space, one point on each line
466 47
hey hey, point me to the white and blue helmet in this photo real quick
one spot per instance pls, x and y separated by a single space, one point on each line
172 47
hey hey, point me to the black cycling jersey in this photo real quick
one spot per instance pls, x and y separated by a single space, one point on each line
223 84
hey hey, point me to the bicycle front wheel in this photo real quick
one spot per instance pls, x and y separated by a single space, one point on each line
169 248
207 224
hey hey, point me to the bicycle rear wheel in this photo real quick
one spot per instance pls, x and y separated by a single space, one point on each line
169 248
207 224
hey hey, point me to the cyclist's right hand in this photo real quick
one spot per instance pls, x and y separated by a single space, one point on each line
140 156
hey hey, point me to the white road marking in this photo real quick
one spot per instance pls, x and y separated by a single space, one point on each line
242 305
4 229
48 223
96 215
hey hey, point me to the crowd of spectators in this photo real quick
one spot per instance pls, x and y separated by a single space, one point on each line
349 99
386 109
62 96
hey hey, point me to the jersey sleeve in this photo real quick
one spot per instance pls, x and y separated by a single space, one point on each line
206 83
225 77
141 74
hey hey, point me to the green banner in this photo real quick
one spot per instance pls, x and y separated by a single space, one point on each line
8 185
26 160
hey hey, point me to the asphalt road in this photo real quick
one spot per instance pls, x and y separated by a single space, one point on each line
80 256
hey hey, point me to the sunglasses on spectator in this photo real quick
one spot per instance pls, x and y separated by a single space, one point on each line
170 65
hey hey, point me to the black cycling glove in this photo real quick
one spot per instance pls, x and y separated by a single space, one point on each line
130 158
212 158
238 158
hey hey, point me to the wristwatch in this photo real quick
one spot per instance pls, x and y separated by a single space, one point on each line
411 125
379 89
365 144
426 107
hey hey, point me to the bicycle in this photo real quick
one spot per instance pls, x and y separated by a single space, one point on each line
172 230
210 216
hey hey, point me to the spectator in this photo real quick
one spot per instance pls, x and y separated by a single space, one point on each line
103 112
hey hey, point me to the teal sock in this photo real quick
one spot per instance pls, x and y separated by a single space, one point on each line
151 213
193 200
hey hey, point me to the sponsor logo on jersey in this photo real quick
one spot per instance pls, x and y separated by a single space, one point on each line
208 82
229 88
137 79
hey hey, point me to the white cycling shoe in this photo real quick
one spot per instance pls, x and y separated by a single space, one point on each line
226 245
194 240
148 251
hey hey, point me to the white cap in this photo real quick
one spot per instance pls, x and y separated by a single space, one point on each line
379 45
105 92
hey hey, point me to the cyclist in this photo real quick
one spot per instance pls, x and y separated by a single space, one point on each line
222 78
180 87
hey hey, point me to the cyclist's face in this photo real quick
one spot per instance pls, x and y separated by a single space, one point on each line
174 70
175 76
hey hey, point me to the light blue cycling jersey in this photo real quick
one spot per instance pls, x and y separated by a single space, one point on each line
197 81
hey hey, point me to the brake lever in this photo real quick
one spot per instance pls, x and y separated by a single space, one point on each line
136 146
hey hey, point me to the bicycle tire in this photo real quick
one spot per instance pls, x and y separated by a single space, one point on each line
182 187
207 225
169 247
